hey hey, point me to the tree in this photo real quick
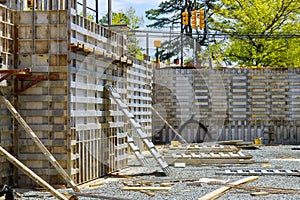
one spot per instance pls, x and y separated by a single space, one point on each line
242 32
261 32
168 14
127 18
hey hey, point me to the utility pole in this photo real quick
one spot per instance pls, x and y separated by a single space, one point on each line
207 34
109 14
97 11
181 39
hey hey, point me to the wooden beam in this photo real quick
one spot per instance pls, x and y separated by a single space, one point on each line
219 192
31 174
40 145
147 188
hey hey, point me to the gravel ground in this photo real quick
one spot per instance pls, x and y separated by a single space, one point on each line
268 157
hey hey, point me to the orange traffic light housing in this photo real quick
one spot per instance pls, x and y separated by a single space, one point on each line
185 18
194 19
202 19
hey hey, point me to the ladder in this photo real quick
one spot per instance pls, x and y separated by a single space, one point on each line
142 135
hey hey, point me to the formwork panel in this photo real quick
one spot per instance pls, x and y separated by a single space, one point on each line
41 46
25 46
41 32
6 120
58 31
24 18
259 102
75 128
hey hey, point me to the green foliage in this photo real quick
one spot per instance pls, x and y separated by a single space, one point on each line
259 32
89 16
125 18
128 18
168 14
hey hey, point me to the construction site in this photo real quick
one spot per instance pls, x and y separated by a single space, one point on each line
75 108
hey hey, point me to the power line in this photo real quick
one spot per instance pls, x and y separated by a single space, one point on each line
139 33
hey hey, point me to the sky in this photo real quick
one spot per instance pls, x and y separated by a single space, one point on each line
140 6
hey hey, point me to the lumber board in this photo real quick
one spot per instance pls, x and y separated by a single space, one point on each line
31 174
147 188
208 161
202 148
220 191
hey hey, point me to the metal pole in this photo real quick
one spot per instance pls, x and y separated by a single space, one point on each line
156 54
97 11
207 34
181 40
147 44
109 14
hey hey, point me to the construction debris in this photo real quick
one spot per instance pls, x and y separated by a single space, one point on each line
263 193
147 188
195 147
179 165
202 181
260 191
259 172
180 155
196 159
219 192
166 184
147 193
240 144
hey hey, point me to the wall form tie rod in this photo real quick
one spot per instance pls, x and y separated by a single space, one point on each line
40 145
31 174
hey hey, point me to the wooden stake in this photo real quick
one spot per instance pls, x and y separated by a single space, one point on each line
40 145
219 192
31 174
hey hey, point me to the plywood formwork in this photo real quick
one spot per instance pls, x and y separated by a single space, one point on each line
139 79
6 39
6 141
74 116
230 103
43 47
6 121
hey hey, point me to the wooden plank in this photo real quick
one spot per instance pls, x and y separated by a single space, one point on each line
31 174
38 142
147 188
220 191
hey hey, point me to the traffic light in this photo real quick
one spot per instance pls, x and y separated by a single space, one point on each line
185 18
194 19
29 3
202 19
